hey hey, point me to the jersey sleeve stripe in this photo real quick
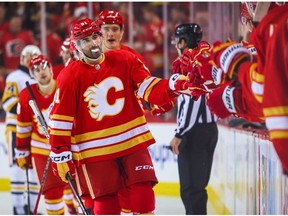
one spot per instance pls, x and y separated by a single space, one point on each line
146 87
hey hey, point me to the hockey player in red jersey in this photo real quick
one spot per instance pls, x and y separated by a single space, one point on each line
31 142
97 126
265 79
112 29
270 74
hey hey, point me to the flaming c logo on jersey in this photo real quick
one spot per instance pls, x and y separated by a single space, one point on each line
97 98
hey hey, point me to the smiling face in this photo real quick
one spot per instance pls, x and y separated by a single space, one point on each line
90 47
112 35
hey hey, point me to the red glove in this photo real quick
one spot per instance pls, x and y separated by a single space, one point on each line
226 60
176 66
62 163
224 100
23 158
198 66
197 91
158 110
187 60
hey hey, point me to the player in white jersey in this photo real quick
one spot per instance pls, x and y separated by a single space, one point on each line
15 83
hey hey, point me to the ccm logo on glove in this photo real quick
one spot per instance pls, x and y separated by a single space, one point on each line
62 157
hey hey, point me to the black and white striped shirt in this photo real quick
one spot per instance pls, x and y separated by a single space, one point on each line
190 111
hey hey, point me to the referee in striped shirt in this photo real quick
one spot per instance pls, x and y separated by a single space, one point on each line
196 134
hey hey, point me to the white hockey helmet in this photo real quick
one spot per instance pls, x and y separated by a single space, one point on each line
30 49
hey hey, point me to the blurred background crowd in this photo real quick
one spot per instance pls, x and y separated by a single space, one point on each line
148 28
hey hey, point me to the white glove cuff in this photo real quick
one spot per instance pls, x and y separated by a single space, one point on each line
173 79
62 157
217 75
228 99
21 153
229 53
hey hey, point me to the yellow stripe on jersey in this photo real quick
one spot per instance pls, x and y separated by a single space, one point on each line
23 135
149 88
53 201
114 148
62 117
40 151
37 138
24 124
257 77
278 134
87 179
60 132
146 87
259 98
110 131
58 212
276 111
11 128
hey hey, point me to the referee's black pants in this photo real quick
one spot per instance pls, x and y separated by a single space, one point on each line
194 165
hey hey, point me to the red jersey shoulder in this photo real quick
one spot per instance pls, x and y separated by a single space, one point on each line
72 71
119 57
57 69
25 95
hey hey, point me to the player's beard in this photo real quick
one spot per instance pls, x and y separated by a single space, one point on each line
93 54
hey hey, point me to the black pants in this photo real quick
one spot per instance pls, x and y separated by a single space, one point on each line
194 164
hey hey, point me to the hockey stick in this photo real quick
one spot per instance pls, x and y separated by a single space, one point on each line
34 107
44 126
69 178
37 112
28 190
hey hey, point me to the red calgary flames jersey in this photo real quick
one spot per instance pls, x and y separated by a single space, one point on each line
96 112
272 38
268 79
29 131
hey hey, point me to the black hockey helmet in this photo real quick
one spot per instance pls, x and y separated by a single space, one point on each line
191 33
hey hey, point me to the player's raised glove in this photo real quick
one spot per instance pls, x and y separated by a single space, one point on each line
23 158
196 63
227 59
225 100
176 66
62 162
